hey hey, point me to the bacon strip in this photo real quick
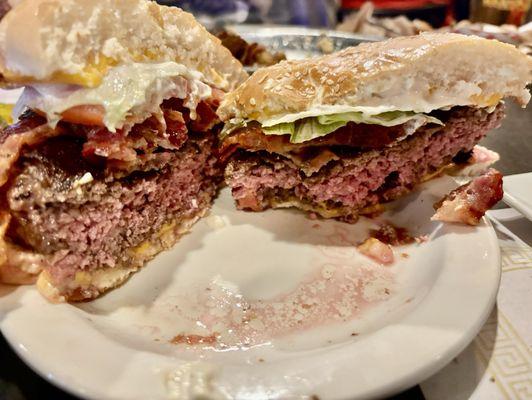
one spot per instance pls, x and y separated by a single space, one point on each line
362 136
27 122
29 131
468 203
120 149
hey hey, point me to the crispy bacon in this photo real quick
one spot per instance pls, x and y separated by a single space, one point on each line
216 98
148 135
105 144
28 121
394 235
468 203
119 150
29 131
475 162
206 117
176 128
361 136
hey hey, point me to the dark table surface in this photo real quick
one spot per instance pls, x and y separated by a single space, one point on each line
513 141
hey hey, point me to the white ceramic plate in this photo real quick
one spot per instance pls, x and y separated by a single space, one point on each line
299 311
518 193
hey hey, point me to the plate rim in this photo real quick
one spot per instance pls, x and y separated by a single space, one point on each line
513 200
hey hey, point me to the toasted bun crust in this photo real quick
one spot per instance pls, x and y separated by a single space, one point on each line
74 41
418 73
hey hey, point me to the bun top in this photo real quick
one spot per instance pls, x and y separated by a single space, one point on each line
74 41
418 73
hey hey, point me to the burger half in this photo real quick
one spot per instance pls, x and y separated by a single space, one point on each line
111 158
340 134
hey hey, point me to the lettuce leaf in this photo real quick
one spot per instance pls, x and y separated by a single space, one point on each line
309 128
304 129
314 127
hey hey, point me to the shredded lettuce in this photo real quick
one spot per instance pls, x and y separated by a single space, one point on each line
309 128
314 127
304 129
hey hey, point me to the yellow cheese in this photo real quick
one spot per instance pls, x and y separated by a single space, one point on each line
5 114
146 248
166 229
486 101
142 248
83 278
91 76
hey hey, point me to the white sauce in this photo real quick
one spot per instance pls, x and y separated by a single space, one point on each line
125 90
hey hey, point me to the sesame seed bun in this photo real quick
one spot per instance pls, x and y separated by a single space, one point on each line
72 41
417 73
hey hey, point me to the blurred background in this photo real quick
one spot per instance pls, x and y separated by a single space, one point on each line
263 32
328 13
505 20
380 18
236 20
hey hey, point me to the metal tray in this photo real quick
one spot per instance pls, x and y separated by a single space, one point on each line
297 42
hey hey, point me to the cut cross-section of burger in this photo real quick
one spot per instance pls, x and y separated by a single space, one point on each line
340 134
112 156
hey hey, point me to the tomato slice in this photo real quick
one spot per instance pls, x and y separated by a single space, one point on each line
84 115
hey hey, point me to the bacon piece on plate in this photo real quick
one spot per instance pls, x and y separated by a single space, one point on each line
468 203
377 250
394 235
478 162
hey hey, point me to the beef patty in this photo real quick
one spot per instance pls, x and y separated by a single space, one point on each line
354 179
86 222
